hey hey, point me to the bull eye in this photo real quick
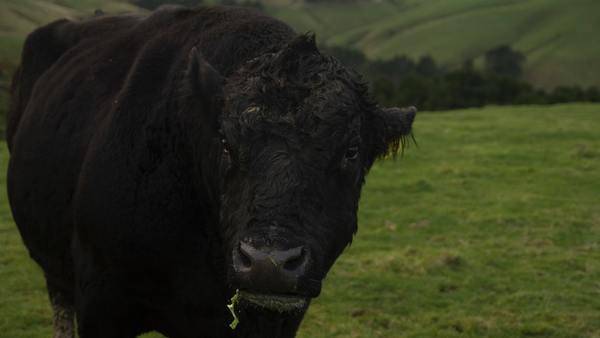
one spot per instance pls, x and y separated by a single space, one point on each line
351 153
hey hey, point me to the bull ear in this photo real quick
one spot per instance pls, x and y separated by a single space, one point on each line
202 78
202 93
397 125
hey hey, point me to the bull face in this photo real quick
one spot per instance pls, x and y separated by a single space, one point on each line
298 133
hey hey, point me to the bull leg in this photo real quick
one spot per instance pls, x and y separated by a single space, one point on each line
63 320
104 309
104 312
63 314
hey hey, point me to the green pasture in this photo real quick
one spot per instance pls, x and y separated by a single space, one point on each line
489 228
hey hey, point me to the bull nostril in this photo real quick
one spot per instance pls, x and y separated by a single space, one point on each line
269 270
293 264
244 258
296 260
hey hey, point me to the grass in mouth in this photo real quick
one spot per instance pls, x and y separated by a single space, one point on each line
231 306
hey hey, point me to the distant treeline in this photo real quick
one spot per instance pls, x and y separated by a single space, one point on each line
425 84
429 86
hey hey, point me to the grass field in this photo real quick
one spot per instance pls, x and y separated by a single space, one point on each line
490 228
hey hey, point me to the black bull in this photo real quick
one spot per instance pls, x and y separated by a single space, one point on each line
160 163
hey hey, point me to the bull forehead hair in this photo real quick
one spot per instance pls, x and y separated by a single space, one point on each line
297 87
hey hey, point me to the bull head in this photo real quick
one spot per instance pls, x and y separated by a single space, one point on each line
297 135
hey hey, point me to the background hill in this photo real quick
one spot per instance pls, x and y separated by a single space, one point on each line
20 17
557 37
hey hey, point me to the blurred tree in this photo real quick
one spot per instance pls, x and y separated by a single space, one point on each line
468 65
384 91
352 58
427 67
504 61
413 90
504 89
394 69
466 87
562 94
592 94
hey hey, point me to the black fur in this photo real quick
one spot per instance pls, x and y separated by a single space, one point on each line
144 148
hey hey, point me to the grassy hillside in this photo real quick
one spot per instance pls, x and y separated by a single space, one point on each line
19 17
556 36
490 228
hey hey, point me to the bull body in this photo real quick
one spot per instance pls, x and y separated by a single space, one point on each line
117 183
